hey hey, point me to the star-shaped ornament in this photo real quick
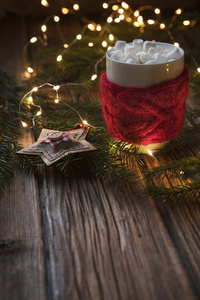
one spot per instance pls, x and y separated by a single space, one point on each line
53 145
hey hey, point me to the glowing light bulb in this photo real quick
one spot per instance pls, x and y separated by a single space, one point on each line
56 100
93 77
85 122
124 5
111 37
104 44
35 89
176 44
66 46
39 113
90 44
45 3
33 40
140 19
76 6
105 5
186 22
162 26
178 11
44 28
65 10
30 99
98 28
120 10
136 24
117 20
30 70
136 13
91 27
121 17
150 22
24 124
128 19
109 19
59 58
150 152
56 87
157 11
56 19
115 7
79 37
198 70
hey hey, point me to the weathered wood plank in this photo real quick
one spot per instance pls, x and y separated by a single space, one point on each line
22 271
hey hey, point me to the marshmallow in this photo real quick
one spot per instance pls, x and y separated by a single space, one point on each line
116 57
147 45
175 53
159 49
131 61
159 58
130 56
119 45
138 43
152 51
145 58
165 51
151 62
130 49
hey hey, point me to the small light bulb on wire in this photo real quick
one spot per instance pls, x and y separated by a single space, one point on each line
56 19
39 113
45 3
79 37
85 122
104 44
150 22
30 70
109 19
124 5
35 89
24 124
56 87
65 10
59 58
33 40
198 70
115 7
76 6
178 11
117 20
105 5
44 28
98 28
157 11
136 13
121 17
140 19
66 46
30 99
162 26
93 77
111 37
120 10
186 22
56 100
150 152
91 27
176 44
90 44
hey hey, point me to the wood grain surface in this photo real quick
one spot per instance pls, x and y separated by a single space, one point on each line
73 237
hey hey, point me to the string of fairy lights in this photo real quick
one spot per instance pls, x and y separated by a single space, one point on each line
118 11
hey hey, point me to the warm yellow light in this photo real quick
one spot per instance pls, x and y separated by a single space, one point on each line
59 58
120 10
150 152
44 28
44 3
24 124
162 26
109 48
136 24
136 13
128 19
157 11
33 40
111 37
150 22
30 70
35 89
91 27
115 7
105 5
65 10
109 19
90 44
39 113
121 17
93 77
124 5
178 11
56 19
117 20
140 19
85 122
104 44
30 99
198 70
56 87
176 44
65 46
186 22
76 6
98 28
56 100
79 37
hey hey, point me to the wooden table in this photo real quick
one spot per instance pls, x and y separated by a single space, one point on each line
76 238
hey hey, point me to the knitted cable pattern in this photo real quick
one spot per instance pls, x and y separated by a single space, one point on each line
145 115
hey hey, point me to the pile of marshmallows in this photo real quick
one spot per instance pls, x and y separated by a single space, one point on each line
140 52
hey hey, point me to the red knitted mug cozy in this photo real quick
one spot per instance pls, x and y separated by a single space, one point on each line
145 115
